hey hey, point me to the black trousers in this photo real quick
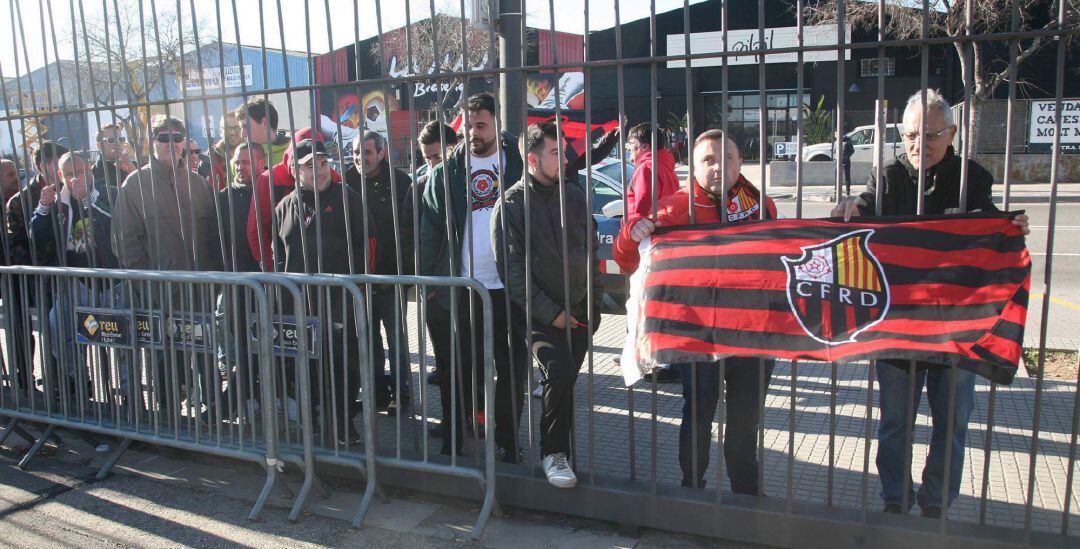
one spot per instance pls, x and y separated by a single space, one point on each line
511 366
701 390
560 361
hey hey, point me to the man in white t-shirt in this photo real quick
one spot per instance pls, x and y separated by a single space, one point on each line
455 240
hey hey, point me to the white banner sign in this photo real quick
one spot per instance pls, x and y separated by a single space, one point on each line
749 39
1043 121
211 78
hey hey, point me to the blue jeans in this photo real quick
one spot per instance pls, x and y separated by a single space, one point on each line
744 393
893 388
392 319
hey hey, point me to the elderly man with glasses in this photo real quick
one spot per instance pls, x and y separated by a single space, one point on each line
928 136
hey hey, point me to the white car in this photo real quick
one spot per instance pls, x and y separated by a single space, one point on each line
862 138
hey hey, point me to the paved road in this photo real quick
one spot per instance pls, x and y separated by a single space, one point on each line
1064 314
162 498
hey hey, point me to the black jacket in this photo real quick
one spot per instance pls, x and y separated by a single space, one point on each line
382 201
301 225
20 208
107 174
233 205
900 194
545 290
88 244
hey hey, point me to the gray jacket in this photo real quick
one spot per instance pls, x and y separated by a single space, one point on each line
546 290
164 219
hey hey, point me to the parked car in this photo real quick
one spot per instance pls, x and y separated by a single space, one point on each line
862 138
607 203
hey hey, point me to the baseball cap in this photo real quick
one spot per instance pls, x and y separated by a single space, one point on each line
307 148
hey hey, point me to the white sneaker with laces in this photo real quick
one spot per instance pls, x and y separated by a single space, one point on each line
558 471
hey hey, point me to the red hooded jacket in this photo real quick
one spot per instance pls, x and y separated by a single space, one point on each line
639 196
260 229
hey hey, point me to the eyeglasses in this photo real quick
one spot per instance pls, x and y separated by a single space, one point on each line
113 139
912 136
169 137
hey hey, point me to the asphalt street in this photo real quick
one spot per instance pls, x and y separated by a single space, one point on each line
164 498
1064 303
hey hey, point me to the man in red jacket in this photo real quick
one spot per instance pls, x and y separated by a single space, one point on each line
273 185
718 190
639 197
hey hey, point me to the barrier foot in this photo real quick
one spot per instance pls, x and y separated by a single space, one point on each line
103 473
301 497
485 513
8 429
264 495
37 446
365 503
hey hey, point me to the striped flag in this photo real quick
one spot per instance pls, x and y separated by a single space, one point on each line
950 289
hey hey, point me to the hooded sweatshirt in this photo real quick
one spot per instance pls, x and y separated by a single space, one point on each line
273 185
639 198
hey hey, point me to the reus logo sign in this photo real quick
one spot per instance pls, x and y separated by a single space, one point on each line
837 289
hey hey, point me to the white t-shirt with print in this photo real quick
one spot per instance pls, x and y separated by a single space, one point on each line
478 260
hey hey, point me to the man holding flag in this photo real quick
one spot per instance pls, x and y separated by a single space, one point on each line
719 194
932 152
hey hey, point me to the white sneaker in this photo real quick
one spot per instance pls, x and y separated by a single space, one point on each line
558 471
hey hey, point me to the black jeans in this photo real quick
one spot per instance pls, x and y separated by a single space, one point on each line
511 365
559 362
744 394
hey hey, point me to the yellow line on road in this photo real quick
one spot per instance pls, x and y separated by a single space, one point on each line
1057 300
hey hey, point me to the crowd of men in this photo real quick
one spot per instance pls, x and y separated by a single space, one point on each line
505 210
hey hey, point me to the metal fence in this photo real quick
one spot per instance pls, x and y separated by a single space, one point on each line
389 260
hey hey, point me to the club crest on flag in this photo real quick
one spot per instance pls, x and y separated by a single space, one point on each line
837 289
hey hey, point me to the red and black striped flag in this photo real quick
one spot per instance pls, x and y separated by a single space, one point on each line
950 289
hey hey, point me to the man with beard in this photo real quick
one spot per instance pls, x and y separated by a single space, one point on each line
455 238
562 248
386 192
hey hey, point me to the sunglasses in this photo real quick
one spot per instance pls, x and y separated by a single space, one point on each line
114 139
169 137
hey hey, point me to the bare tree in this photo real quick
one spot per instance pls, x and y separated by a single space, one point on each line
987 73
135 56
436 47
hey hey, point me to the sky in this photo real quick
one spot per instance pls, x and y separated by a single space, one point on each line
295 17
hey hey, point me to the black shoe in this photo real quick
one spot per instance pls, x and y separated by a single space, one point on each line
436 431
931 512
666 375
687 483
396 405
433 378
507 455
893 508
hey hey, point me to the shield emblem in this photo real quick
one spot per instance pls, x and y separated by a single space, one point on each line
837 289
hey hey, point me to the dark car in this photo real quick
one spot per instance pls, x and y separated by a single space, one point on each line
607 203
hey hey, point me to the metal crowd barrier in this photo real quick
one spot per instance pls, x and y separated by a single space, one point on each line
132 355
814 449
